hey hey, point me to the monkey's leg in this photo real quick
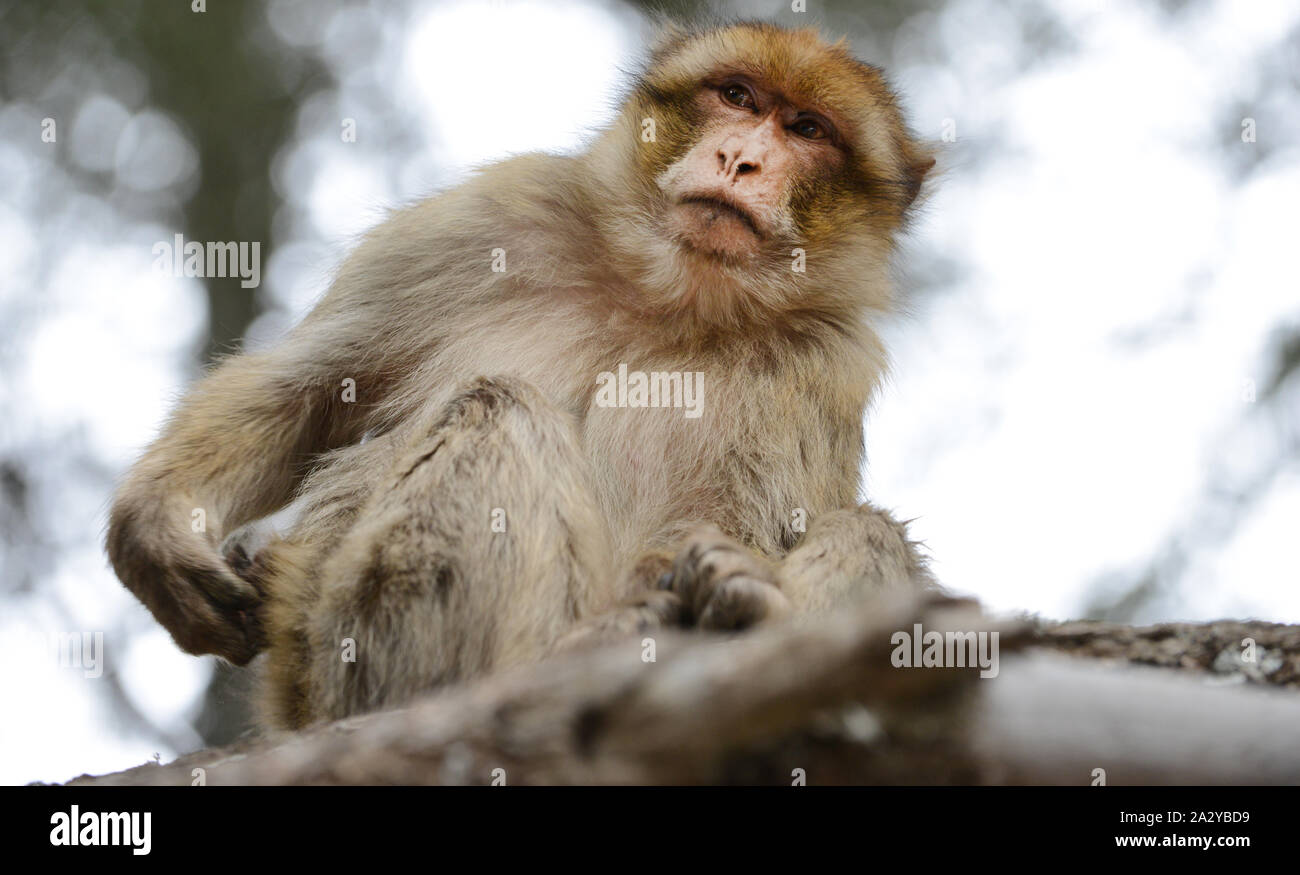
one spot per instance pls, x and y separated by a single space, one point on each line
850 554
476 551
287 571
846 555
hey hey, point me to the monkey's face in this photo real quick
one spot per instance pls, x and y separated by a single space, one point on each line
753 145
729 195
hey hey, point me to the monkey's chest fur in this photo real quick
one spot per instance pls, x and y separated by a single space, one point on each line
669 436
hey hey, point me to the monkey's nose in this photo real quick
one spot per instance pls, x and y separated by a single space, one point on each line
731 165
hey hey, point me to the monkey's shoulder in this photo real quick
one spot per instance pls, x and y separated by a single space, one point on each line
534 192
508 220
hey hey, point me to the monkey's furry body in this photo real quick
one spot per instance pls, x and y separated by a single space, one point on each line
496 510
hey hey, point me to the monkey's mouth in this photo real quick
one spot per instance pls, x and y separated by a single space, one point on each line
717 207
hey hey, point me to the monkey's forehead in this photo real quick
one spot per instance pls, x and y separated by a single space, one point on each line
799 64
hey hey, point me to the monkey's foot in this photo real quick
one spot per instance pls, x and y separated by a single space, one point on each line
723 584
650 610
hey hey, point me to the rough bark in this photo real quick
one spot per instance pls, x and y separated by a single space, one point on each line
823 701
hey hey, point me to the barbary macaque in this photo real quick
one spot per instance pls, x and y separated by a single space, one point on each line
594 394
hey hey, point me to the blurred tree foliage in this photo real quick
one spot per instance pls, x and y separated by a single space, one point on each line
234 89
224 78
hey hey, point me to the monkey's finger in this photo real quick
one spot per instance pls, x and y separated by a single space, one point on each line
692 566
233 629
655 611
709 561
228 625
741 602
649 572
658 608
223 588
238 560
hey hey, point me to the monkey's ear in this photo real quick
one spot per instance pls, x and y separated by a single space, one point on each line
919 164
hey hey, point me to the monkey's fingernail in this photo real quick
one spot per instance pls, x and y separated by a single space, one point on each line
665 581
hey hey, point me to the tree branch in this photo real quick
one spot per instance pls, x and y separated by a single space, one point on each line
824 697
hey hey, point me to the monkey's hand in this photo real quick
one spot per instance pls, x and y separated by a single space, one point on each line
723 584
182 579
245 550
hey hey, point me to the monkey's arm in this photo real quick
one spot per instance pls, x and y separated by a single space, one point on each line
245 436
232 451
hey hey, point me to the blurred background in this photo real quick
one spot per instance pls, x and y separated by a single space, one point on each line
1095 410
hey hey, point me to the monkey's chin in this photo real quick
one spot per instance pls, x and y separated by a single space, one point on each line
714 233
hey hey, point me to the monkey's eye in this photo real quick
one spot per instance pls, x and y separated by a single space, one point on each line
738 95
809 129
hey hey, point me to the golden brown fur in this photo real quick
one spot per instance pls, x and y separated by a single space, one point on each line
474 389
